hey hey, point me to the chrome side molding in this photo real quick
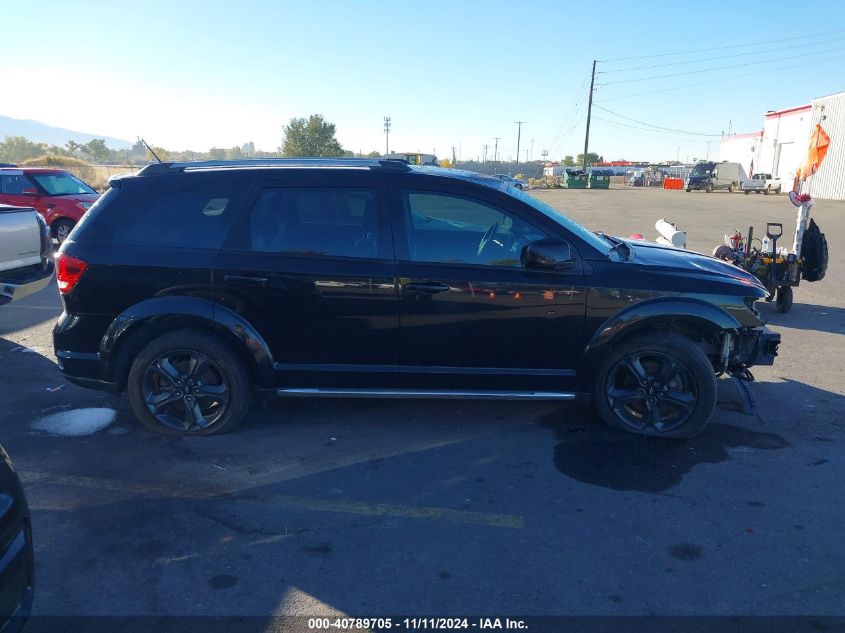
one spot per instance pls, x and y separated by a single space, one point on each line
425 393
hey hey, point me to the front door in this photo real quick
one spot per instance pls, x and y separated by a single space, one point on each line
472 317
312 269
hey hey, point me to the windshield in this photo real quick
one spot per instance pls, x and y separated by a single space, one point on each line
61 184
600 244
702 169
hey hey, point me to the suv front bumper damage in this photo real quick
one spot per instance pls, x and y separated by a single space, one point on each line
753 346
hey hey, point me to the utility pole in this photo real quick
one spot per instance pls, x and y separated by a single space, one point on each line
589 112
496 148
485 153
386 135
531 153
518 136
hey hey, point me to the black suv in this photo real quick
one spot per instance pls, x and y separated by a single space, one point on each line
195 285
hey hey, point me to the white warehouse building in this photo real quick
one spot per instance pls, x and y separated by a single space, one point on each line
780 148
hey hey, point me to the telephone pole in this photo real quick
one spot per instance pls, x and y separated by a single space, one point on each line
531 153
589 112
496 148
386 135
485 153
518 137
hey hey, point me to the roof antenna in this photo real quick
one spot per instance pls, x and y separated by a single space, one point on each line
149 148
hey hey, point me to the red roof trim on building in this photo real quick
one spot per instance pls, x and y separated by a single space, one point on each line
788 111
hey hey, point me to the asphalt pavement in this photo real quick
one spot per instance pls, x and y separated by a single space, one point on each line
318 507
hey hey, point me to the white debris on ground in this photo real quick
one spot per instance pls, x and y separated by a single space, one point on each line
76 423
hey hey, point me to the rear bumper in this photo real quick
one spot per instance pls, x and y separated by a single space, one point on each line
20 283
85 370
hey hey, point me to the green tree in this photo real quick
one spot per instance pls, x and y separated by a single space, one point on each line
374 154
16 149
568 160
73 147
592 159
96 149
310 137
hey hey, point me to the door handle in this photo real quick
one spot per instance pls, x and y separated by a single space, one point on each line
246 280
426 287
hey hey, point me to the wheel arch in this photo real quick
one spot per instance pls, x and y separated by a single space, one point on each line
689 317
145 321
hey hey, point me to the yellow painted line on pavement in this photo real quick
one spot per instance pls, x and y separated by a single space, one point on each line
286 501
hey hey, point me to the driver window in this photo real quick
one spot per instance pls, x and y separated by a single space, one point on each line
455 230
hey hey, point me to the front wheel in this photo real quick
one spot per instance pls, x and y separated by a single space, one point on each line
778 190
730 188
783 298
767 190
747 192
660 385
688 190
709 189
189 382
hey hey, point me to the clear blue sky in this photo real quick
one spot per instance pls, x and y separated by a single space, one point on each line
191 75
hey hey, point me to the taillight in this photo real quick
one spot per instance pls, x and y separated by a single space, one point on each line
69 271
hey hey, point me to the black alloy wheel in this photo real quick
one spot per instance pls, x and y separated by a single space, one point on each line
185 390
189 382
660 384
650 390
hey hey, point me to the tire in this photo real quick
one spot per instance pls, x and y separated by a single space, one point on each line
61 228
709 188
688 190
783 299
730 188
691 382
778 190
221 387
746 192
767 190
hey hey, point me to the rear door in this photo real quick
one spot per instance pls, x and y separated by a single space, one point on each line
471 316
311 267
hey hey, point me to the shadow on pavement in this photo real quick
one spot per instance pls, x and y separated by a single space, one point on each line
807 316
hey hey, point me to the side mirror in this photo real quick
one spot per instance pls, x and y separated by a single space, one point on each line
29 191
547 254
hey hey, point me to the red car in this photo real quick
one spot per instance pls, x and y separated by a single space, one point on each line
60 197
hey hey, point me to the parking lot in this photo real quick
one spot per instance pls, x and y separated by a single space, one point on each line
437 507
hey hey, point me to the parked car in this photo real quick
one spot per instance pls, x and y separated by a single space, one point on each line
26 253
59 196
17 568
194 286
710 176
761 183
513 182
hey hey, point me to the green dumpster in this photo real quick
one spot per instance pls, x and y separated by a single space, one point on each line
574 179
599 180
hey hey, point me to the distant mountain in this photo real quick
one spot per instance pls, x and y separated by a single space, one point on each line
38 132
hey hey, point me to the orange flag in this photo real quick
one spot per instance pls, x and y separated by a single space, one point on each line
819 141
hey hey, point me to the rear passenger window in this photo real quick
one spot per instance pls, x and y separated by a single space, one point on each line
186 219
316 222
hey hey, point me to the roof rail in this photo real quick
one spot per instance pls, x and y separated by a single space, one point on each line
169 168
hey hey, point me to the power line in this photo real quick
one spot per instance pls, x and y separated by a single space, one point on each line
649 132
719 48
570 112
702 83
707 70
709 59
651 125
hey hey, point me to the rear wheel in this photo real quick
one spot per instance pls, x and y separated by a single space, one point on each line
61 229
730 188
747 192
661 385
688 190
189 382
783 298
709 188
767 190
778 190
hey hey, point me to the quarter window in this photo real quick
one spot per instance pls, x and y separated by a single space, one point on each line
186 219
456 230
316 222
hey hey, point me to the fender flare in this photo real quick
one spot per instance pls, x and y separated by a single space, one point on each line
167 313
641 316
